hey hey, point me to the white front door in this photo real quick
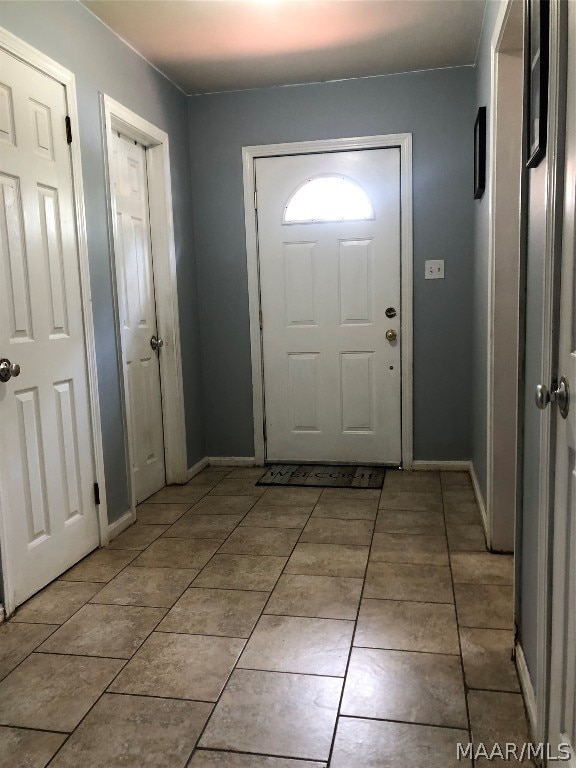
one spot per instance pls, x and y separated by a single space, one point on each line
137 308
329 258
46 448
563 668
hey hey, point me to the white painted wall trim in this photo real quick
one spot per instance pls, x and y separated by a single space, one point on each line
198 467
249 155
480 501
29 55
442 466
116 528
234 461
501 486
527 691
116 117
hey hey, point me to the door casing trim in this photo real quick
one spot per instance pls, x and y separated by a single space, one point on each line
117 117
249 154
502 491
34 58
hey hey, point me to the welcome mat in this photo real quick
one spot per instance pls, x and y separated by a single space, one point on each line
324 476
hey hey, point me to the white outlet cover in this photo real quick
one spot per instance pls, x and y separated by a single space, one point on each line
434 269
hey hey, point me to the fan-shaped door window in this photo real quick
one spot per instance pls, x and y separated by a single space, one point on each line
328 198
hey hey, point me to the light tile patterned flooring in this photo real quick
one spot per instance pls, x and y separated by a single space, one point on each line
238 626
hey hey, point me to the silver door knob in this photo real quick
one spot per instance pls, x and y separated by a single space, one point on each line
156 342
560 394
8 370
542 396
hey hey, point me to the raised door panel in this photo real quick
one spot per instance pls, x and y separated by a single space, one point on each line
34 486
16 285
51 237
355 282
303 375
357 388
299 283
7 133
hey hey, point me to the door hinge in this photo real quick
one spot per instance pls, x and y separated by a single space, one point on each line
96 494
68 129
265 431
255 199
260 317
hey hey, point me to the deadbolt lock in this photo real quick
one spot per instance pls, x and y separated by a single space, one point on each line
390 312
391 334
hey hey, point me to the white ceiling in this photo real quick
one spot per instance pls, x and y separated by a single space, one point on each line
221 45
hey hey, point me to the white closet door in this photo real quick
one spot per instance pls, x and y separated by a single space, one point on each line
138 316
46 457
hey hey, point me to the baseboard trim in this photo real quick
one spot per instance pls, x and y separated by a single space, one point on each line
2 614
443 466
481 503
527 690
232 461
116 528
198 467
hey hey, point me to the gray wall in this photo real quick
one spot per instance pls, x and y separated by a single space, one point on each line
71 35
481 260
437 107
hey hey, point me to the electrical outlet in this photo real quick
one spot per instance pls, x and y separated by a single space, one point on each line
434 269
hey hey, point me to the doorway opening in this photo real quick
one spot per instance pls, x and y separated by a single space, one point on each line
298 389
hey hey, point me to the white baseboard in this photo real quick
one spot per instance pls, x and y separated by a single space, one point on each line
481 503
232 461
443 466
116 528
198 467
2 615
527 690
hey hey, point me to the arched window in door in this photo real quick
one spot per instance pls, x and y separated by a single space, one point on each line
328 198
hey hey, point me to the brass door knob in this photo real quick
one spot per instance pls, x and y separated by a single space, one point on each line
391 335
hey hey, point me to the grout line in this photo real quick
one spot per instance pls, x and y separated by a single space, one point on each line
320 763
28 728
464 686
339 708
407 722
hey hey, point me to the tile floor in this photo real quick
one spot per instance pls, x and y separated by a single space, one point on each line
238 626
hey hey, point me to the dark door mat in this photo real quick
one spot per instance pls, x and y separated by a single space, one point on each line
324 476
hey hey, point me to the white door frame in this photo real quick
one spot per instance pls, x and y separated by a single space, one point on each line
249 154
117 117
503 313
32 57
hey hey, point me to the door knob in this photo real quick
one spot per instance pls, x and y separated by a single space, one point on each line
391 335
560 394
156 342
8 370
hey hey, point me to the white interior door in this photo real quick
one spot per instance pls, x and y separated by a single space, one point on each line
329 259
46 454
136 302
563 669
